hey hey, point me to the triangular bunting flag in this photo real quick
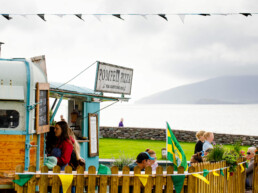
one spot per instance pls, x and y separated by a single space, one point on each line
23 179
163 16
205 14
178 182
118 16
79 16
66 181
60 15
7 16
205 172
103 169
143 178
215 173
144 16
182 17
42 16
246 164
98 17
221 172
201 178
242 168
246 14
24 15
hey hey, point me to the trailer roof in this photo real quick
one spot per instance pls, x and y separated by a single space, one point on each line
72 91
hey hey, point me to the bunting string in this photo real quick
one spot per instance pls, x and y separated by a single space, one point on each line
201 172
120 15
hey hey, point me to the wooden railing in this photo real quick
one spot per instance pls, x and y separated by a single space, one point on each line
255 175
125 181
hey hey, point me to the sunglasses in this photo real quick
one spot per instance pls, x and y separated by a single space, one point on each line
248 153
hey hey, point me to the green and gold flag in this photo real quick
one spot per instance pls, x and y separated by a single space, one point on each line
175 153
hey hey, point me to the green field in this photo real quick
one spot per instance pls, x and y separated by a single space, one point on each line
112 148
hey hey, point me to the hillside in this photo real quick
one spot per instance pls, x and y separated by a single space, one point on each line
221 90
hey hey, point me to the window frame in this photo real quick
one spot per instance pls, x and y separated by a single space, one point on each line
42 128
11 128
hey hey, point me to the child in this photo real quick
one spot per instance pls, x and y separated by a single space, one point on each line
153 163
199 144
209 137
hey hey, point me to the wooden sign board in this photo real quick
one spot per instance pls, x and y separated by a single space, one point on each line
113 79
42 108
93 135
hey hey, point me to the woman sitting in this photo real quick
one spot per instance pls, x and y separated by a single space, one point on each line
64 146
76 158
153 163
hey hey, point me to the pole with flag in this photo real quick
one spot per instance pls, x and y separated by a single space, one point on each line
176 155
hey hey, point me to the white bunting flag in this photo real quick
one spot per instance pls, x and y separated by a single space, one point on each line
98 17
182 18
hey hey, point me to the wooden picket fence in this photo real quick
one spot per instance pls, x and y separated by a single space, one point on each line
255 175
160 182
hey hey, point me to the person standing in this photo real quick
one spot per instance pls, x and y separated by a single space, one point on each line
199 144
209 137
121 124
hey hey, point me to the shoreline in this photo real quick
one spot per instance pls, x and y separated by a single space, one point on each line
181 135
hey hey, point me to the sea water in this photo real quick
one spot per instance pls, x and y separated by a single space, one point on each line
230 119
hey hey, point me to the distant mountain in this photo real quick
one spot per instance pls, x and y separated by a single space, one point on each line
221 90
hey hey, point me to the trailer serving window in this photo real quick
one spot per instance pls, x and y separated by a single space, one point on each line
9 118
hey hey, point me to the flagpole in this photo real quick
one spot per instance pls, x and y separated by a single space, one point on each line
166 147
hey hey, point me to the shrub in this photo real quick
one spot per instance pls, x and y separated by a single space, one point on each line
216 154
237 147
122 161
231 159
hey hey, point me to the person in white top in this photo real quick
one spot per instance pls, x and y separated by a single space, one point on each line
209 137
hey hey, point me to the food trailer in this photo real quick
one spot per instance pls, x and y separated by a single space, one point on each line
26 116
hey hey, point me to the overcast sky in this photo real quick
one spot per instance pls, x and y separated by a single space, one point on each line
163 54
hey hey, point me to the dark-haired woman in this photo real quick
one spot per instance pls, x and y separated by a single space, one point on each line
64 146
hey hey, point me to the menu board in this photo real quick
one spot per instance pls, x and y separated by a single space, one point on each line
43 112
42 108
93 135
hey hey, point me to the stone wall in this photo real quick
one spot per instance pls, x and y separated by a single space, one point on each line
160 134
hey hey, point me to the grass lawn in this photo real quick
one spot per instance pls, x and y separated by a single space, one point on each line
112 148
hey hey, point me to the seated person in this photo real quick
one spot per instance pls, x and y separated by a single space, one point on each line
196 158
201 139
64 146
153 163
76 158
142 160
249 171
209 137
